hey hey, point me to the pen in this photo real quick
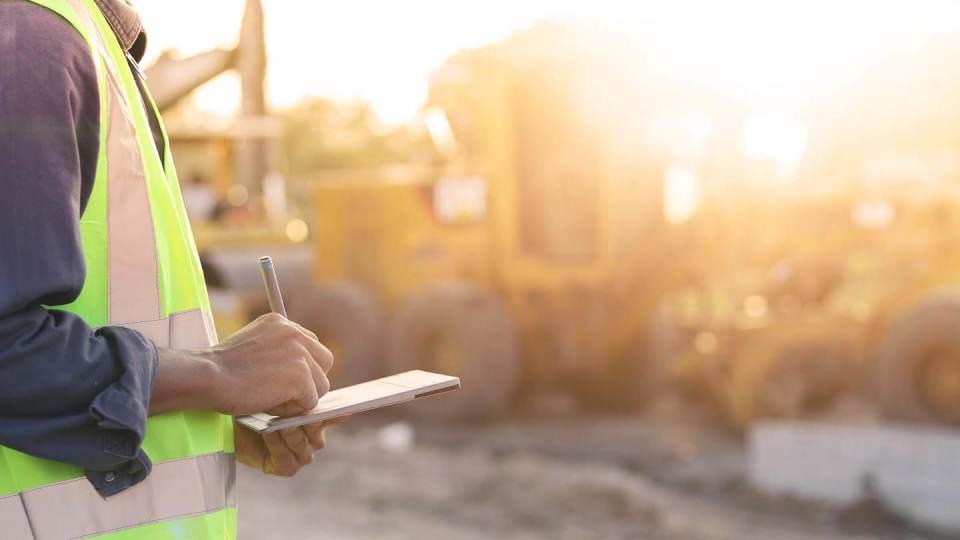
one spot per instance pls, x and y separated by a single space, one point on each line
270 283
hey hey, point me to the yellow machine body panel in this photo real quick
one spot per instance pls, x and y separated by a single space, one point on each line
388 237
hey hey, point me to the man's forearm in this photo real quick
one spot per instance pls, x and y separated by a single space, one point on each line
185 380
271 365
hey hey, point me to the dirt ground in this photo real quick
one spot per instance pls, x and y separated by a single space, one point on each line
538 477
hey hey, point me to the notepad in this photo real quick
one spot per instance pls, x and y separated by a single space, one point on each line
374 394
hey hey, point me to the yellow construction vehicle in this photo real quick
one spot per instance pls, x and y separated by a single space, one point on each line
593 226
560 244
515 263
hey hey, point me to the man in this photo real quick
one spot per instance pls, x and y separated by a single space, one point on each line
104 317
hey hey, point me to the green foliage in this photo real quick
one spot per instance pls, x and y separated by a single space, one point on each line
322 135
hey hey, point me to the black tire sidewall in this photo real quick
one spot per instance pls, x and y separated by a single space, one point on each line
478 323
901 353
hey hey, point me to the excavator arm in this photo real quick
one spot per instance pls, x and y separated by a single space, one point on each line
171 79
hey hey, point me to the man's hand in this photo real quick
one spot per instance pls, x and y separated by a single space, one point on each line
282 453
271 365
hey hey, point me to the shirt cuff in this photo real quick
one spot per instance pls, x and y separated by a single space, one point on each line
121 411
121 418
131 473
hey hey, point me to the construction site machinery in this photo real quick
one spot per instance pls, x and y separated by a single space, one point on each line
601 225
514 264
574 239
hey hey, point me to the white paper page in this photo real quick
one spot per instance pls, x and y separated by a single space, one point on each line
361 397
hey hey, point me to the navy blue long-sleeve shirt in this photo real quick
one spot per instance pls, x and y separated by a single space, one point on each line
68 392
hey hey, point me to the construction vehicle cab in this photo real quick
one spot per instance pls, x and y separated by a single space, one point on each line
508 261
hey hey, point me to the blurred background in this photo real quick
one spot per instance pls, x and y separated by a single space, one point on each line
692 260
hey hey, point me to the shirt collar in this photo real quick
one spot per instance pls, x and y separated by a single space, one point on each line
126 25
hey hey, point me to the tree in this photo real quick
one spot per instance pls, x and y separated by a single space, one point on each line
322 135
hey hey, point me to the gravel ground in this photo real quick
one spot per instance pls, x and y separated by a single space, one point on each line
536 478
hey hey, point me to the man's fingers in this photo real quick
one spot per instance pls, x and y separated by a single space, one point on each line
304 331
281 461
290 408
298 443
318 386
250 449
309 400
320 380
316 435
305 337
320 354
310 392
311 385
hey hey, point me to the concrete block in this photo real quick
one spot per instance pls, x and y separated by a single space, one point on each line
913 471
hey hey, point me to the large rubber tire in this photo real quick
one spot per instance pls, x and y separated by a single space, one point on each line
931 327
632 379
473 326
350 322
797 369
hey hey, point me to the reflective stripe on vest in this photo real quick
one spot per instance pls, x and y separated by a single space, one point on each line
142 273
72 509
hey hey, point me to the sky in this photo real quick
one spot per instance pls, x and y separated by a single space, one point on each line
384 51
373 50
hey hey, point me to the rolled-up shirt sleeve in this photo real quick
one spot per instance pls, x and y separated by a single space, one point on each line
68 392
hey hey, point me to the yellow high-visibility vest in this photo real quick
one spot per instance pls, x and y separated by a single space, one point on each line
143 272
